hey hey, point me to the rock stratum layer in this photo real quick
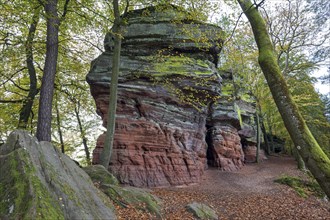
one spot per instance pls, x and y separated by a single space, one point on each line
172 119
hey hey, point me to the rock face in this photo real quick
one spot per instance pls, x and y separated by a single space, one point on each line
171 118
39 182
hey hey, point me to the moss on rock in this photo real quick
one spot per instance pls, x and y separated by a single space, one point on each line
23 194
130 196
99 174
39 182
123 196
181 65
202 211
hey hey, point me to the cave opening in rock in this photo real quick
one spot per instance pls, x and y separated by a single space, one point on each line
210 153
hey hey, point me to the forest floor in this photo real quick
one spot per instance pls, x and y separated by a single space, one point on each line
249 193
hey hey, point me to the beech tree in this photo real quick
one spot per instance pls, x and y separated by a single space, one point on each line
315 159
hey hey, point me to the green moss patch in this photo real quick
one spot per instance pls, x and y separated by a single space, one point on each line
99 174
201 211
123 196
180 65
227 89
22 194
39 182
131 196
304 188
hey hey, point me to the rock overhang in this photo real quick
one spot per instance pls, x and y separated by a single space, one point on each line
163 39
167 26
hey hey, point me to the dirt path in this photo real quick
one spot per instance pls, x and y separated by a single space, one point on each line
249 193
252 178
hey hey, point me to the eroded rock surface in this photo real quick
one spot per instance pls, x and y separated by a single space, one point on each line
169 97
39 182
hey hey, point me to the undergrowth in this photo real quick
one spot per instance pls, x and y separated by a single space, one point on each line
304 188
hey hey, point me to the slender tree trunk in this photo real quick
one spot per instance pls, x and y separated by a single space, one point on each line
108 144
314 157
48 79
271 139
263 130
82 133
26 109
300 161
258 138
58 122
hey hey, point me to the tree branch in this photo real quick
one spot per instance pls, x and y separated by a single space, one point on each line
65 10
11 101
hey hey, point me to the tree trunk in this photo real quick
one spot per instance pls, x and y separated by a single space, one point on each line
300 161
82 133
47 86
26 109
258 138
108 144
314 157
263 130
271 139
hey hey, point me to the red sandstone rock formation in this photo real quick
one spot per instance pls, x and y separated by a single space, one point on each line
169 92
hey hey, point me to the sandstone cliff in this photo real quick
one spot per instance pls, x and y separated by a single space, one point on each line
172 119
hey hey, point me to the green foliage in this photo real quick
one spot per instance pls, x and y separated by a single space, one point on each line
80 40
304 188
239 57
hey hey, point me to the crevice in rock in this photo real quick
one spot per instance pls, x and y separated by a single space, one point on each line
210 154
139 107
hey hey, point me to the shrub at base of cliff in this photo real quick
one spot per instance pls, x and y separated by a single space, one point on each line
39 182
124 196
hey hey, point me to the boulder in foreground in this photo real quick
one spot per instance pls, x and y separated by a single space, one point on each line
202 211
39 182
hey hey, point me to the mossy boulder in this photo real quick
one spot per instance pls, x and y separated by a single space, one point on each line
135 197
124 196
202 211
100 175
39 182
